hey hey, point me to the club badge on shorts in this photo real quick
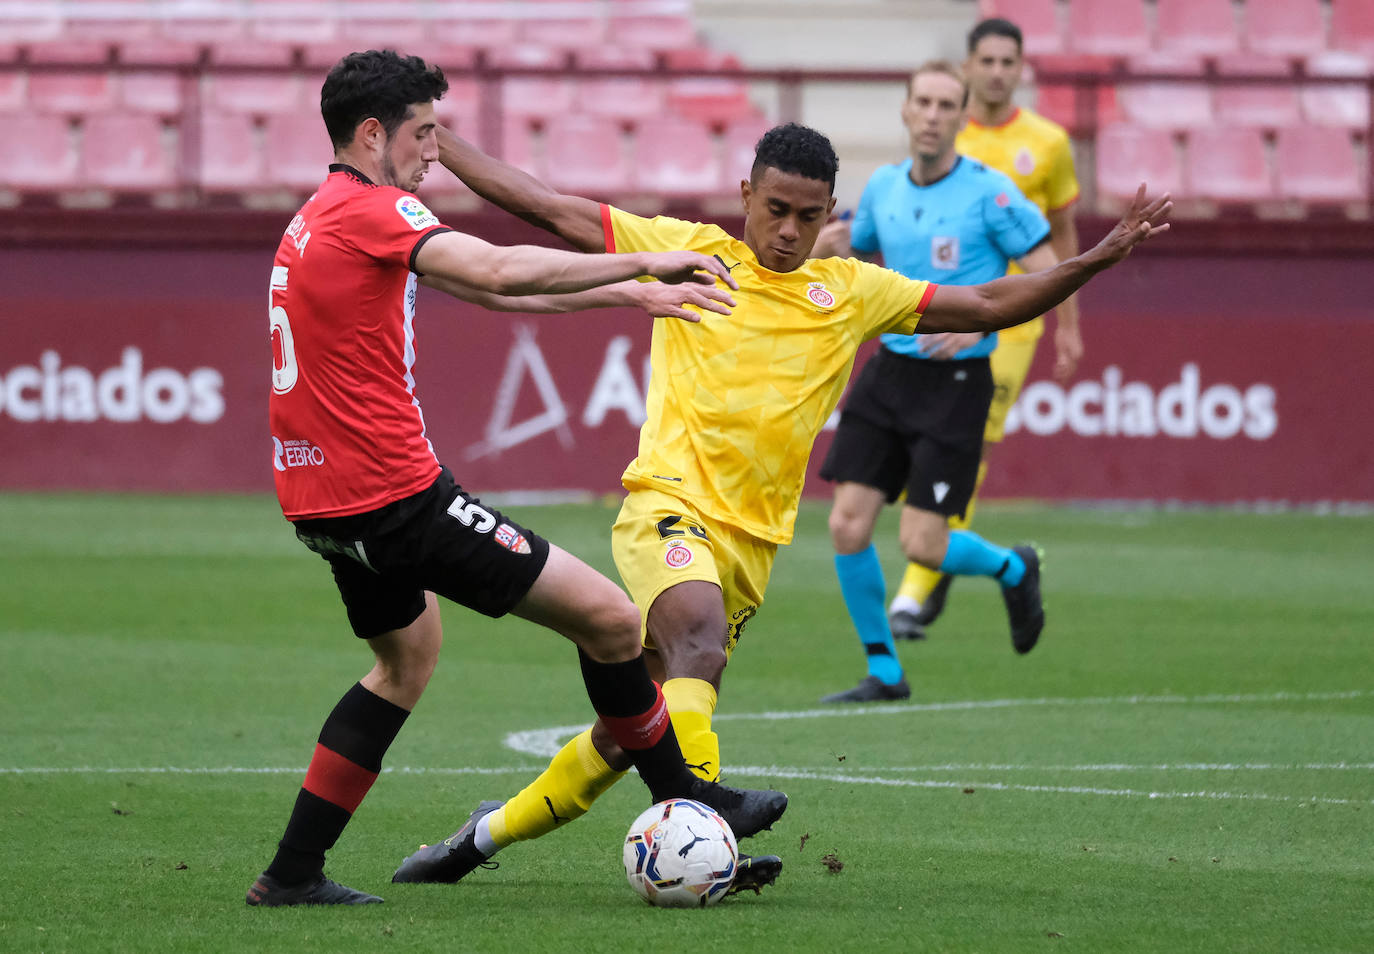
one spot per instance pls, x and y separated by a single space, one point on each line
678 555
512 539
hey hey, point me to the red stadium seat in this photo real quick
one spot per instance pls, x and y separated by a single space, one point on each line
230 159
1196 26
114 21
657 33
676 157
159 92
1108 27
1128 155
741 138
258 93
585 155
453 27
1038 19
297 151
201 21
1284 27
126 152
159 52
60 91
1317 164
12 84
1228 164
68 52
1167 104
32 23
37 153
716 99
1337 104
1352 26
296 21
1249 104
459 110
587 32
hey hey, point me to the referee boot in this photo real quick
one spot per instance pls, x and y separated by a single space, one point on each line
1025 611
872 689
451 859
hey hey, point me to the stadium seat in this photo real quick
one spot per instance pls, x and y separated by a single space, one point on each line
159 92
1284 27
258 93
1352 26
1227 164
584 155
563 33
71 92
251 52
624 97
293 21
32 23
36 153
741 137
1335 103
676 157
657 33
1167 104
1317 164
126 152
159 52
492 33
1207 27
1059 102
229 157
114 21
460 108
296 150
12 83
69 52
1108 27
1128 155
1038 20
716 99
201 21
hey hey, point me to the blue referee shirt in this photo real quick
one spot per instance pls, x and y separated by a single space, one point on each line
962 229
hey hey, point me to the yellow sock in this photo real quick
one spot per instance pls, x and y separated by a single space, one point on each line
691 703
919 581
565 790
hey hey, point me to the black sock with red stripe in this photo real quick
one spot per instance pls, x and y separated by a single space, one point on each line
632 708
346 762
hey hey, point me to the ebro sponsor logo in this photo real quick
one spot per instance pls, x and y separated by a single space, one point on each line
53 391
296 453
1111 408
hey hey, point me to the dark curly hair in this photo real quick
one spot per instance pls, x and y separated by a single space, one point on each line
798 149
378 84
994 26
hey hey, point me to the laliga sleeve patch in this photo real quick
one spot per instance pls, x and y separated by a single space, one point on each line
415 214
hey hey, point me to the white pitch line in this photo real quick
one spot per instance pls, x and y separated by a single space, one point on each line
546 742
1123 767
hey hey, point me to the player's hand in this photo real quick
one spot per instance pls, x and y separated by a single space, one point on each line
1145 219
1068 351
677 267
946 344
662 300
833 239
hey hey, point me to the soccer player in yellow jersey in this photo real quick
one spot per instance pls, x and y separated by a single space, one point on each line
733 408
1034 152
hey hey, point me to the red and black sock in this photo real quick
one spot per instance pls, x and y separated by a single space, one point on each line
632 708
346 762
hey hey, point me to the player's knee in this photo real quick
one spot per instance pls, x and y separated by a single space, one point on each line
610 630
848 533
695 649
927 549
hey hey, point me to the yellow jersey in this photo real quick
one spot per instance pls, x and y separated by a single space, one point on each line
1035 153
735 402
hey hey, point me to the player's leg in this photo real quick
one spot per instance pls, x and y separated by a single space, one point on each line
923 592
852 517
355 737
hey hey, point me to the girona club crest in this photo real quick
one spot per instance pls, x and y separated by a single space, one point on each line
819 296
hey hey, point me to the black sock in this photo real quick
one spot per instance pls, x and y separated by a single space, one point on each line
346 762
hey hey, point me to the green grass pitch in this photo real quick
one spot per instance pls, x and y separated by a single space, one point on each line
1185 763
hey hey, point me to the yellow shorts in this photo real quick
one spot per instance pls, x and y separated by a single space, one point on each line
1011 362
659 541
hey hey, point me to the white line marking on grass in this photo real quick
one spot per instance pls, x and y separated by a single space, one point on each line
1122 767
547 742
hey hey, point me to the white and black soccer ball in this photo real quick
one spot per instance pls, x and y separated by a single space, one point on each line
680 854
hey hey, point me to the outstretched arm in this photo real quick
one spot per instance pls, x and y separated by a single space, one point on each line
573 218
1019 298
658 299
533 270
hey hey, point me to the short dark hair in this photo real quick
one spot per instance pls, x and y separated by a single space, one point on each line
376 84
799 149
994 26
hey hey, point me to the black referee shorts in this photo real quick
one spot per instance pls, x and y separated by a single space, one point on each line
441 539
914 424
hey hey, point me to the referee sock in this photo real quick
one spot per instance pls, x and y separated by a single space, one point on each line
632 708
865 595
347 759
970 555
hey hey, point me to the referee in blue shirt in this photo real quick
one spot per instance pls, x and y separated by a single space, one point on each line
913 420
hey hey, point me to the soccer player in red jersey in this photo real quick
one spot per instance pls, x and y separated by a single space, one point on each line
358 478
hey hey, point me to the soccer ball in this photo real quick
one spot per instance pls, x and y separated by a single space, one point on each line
680 854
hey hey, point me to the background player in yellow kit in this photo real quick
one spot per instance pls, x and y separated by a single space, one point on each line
732 412
1035 153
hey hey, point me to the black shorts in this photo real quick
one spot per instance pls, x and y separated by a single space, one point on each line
914 424
440 539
